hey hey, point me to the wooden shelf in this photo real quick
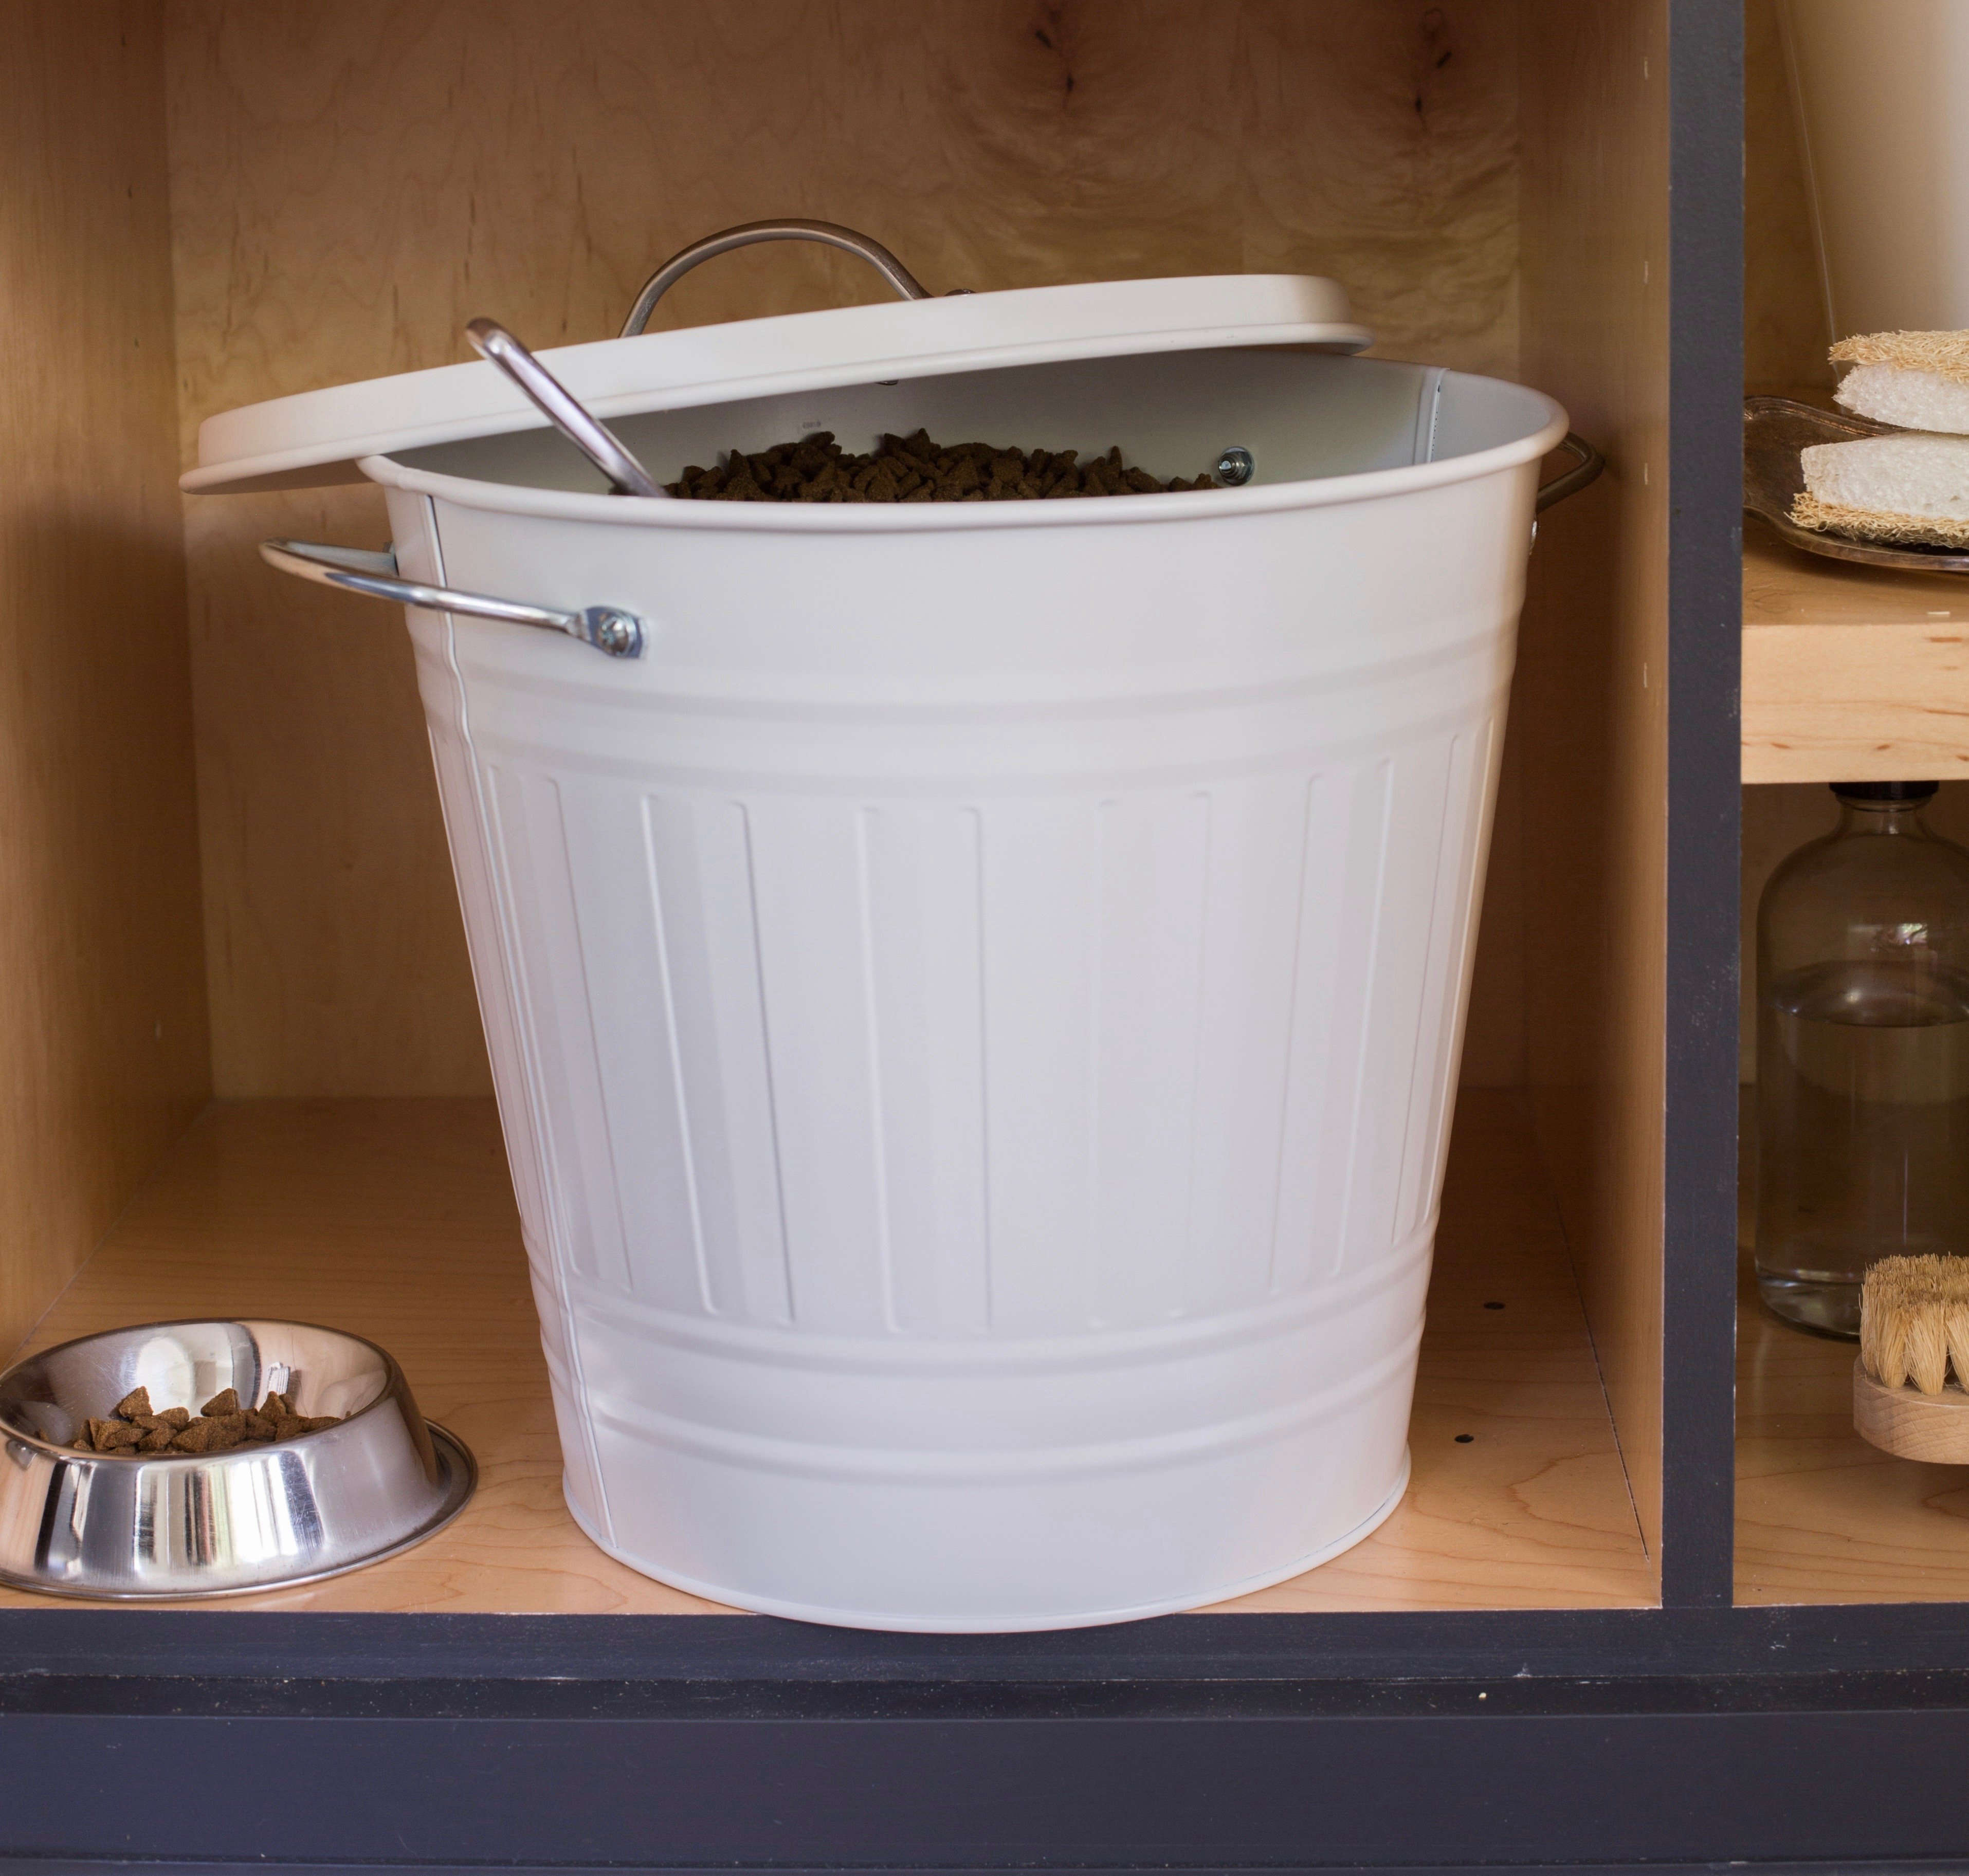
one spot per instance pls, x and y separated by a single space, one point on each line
395 1218
1850 673
1822 1515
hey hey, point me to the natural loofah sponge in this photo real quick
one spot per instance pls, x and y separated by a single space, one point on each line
1833 517
1911 488
1944 354
1914 400
1917 381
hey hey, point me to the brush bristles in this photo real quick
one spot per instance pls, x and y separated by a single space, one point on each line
1914 1322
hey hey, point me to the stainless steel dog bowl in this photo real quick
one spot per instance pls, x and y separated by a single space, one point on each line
179 1525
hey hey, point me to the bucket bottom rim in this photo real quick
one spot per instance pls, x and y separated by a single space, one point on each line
833 1618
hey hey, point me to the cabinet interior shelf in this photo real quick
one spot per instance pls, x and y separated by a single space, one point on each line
395 1219
1851 673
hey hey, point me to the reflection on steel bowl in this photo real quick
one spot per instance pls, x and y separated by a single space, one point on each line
176 1525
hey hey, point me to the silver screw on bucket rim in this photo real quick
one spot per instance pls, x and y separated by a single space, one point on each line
1234 467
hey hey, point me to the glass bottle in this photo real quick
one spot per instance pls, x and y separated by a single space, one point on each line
1863 1055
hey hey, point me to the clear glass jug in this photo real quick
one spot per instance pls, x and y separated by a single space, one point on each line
1863 1055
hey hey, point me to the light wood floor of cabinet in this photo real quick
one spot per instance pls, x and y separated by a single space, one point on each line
395 1218
1821 1516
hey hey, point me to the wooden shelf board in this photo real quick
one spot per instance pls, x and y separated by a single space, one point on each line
1850 673
1822 1515
395 1218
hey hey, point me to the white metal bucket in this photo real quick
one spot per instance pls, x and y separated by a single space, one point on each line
975 1008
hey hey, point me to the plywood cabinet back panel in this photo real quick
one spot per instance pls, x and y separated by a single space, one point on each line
102 1025
351 183
1785 332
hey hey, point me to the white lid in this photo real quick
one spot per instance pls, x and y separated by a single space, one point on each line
318 436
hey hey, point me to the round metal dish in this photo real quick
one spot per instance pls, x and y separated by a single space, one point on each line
178 1526
1774 430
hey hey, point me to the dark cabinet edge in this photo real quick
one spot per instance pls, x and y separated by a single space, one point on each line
1232 1654
1828 1788
174 1866
1705 682
885 1705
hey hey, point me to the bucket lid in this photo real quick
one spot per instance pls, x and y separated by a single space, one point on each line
319 437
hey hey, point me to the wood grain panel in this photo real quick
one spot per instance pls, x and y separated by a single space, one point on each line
1590 708
1785 330
1932 1428
351 183
1850 673
395 1219
102 1029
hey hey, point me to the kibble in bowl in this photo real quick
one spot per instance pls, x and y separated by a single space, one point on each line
132 1428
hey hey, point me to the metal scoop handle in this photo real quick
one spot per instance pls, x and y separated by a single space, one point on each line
354 569
562 409
829 234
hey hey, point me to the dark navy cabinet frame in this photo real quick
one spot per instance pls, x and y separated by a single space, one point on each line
1682 1736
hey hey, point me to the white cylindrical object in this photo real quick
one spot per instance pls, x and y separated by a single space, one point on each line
1880 90
976 1008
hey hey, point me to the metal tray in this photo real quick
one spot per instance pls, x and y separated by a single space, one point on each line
1774 430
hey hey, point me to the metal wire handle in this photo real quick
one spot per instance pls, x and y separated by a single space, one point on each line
1589 465
607 628
829 234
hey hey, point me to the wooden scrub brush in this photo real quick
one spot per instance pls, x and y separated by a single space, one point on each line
1908 1393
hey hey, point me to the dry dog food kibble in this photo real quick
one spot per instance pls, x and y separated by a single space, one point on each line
913 469
224 1422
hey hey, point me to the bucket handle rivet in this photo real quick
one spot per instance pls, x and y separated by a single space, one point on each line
616 633
1235 467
